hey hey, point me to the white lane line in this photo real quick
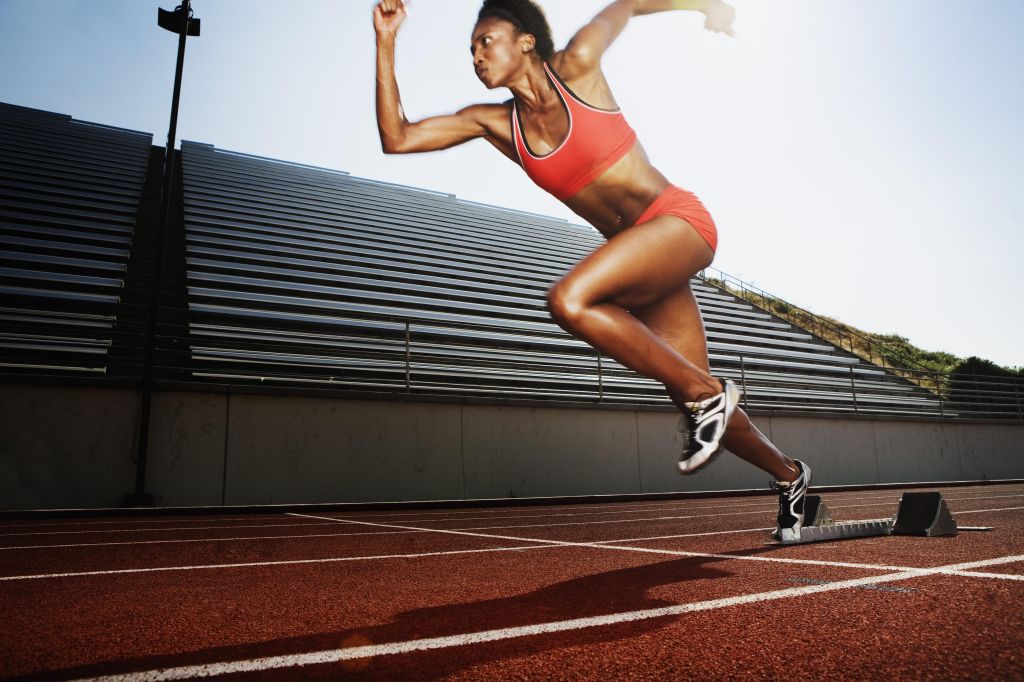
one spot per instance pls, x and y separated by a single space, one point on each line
600 544
467 518
762 508
722 532
892 495
547 545
336 519
654 504
979 574
768 510
427 530
456 515
979 511
543 543
883 496
461 516
136 520
625 508
350 535
640 550
155 530
369 651
769 503
611 507
291 562
430 520
829 564
237 539
684 535
643 550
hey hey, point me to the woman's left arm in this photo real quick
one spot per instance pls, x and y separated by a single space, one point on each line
583 53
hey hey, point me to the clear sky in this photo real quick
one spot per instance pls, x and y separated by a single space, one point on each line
862 158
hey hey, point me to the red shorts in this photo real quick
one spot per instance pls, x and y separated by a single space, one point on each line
678 202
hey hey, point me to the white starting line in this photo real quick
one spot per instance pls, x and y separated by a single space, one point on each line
672 552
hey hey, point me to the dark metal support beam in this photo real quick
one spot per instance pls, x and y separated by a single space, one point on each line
181 22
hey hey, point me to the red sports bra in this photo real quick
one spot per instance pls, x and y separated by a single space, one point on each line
597 138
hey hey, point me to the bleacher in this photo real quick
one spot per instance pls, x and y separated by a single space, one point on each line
302 275
69 194
293 276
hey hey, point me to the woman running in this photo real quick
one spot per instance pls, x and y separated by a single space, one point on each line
631 297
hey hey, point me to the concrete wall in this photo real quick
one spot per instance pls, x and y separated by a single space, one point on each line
66 447
74 447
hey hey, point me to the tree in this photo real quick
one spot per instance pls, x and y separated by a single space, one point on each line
981 386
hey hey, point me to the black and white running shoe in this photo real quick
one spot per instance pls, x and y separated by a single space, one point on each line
703 424
791 504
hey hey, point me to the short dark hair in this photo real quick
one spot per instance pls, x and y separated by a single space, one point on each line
527 17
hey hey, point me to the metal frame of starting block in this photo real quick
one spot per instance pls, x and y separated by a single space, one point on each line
922 514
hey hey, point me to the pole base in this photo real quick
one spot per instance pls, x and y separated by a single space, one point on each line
138 500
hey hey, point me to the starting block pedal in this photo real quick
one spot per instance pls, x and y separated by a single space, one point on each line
815 511
923 514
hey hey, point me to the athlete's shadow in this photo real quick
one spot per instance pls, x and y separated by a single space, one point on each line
616 591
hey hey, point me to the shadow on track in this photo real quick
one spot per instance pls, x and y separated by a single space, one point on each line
610 592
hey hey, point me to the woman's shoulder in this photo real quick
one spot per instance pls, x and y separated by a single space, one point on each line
492 117
585 82
489 112
569 66
488 108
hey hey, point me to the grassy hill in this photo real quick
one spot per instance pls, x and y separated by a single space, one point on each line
888 350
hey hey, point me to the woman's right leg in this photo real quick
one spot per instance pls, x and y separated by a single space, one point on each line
676 320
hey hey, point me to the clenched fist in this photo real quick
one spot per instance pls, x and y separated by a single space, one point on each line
388 15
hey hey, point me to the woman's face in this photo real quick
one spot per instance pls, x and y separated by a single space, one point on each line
498 51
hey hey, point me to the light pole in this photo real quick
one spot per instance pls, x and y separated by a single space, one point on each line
179 21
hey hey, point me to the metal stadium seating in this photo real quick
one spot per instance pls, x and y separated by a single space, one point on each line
289 276
301 275
70 191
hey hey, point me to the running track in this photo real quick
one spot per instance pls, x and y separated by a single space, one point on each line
665 589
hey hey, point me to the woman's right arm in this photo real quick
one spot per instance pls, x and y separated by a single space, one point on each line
397 134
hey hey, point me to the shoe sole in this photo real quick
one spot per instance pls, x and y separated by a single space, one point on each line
694 464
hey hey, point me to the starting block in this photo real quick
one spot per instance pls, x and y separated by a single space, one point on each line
923 514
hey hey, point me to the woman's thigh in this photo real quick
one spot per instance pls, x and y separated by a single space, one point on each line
639 266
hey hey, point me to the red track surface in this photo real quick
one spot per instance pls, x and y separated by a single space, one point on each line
344 587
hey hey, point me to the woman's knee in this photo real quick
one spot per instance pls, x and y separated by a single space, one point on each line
566 304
